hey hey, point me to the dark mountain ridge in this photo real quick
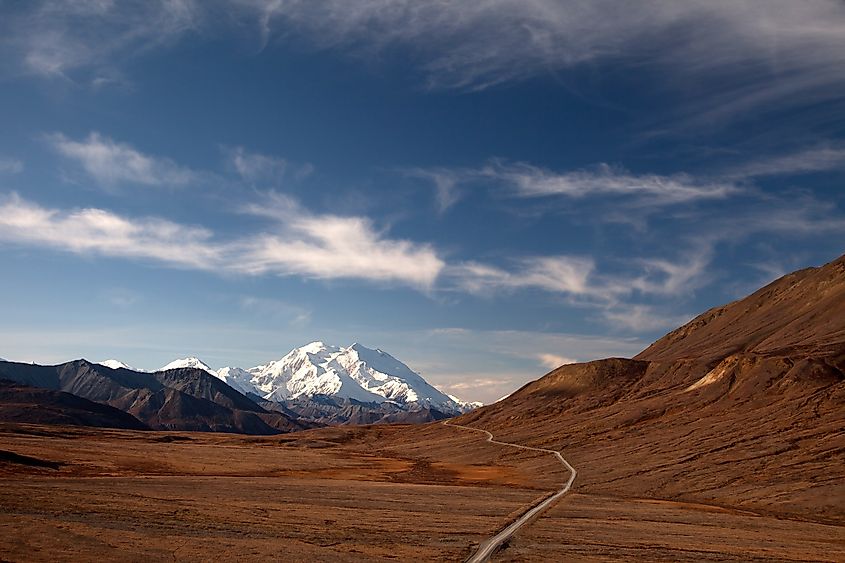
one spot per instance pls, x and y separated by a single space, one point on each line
34 405
179 399
331 411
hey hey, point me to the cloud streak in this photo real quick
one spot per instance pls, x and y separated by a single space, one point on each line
578 277
615 296
763 53
563 274
262 169
527 180
329 246
11 166
111 163
55 38
816 159
302 244
100 232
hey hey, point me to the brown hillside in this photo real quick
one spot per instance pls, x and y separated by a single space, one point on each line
803 312
743 407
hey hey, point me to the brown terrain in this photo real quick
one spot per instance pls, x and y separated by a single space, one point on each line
723 441
70 494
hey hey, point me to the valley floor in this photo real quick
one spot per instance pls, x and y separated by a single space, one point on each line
155 496
343 494
601 528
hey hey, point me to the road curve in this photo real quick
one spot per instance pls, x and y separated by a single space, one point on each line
489 546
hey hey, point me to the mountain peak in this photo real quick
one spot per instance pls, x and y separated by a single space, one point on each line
352 372
315 347
189 362
117 364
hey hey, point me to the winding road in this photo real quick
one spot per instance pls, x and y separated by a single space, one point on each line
489 546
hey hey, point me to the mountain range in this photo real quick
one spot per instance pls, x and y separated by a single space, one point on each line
337 385
176 399
314 384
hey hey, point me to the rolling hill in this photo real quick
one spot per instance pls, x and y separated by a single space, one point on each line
744 406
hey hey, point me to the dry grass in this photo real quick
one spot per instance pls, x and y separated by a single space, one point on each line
162 496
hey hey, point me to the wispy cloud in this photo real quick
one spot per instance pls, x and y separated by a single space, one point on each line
100 232
794 215
565 274
446 183
300 244
762 53
10 165
111 163
525 180
255 167
652 189
614 296
816 159
293 314
552 361
642 318
330 246
578 276
57 37
121 297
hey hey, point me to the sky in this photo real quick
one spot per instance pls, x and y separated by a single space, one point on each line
486 189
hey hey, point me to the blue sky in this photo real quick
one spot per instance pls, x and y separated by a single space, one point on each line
485 190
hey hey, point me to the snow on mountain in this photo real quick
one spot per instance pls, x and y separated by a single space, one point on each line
355 372
190 362
238 379
380 373
117 364
310 370
466 406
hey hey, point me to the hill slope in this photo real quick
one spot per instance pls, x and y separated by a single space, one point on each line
744 406
32 405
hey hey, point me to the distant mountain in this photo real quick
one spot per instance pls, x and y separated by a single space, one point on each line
115 364
742 407
328 410
466 406
314 384
355 373
33 405
189 362
176 399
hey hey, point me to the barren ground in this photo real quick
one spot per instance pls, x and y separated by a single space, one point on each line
122 495
343 494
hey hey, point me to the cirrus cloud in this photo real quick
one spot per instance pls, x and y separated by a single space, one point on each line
301 244
111 163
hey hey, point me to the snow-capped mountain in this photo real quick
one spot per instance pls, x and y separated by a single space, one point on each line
190 362
466 406
238 379
355 372
117 364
